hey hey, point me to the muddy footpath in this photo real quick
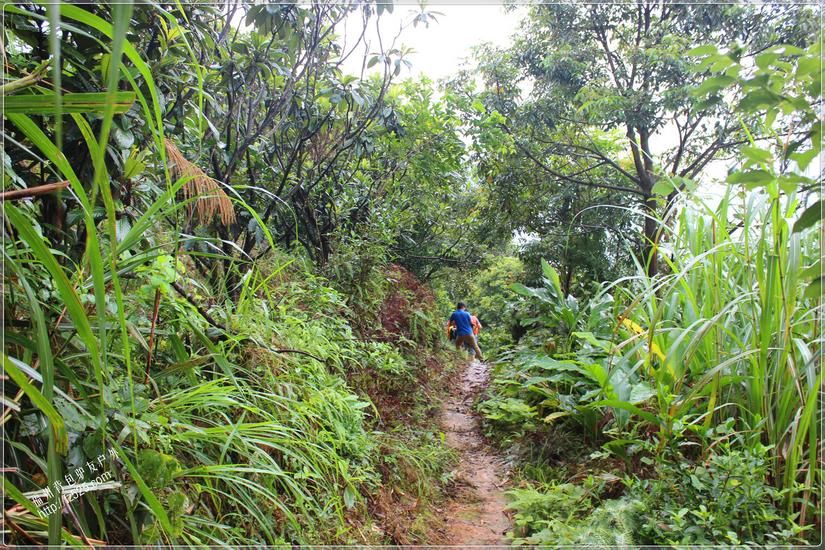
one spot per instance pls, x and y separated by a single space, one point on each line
475 514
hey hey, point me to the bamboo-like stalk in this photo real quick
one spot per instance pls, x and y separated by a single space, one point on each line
24 82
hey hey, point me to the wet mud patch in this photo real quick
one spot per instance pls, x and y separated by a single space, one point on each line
475 514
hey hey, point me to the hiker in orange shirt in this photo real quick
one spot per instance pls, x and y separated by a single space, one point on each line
476 328
476 325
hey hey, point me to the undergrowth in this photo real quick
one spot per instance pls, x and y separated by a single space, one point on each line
270 421
696 388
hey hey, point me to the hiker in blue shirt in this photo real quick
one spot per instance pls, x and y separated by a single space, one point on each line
464 329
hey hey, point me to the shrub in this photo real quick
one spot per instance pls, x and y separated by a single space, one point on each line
560 514
726 499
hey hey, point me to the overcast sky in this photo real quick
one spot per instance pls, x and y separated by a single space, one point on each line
439 49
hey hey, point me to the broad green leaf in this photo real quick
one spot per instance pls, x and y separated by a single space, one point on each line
814 289
630 407
519 288
591 339
551 274
758 99
713 85
757 154
803 159
808 66
722 63
791 181
764 60
751 178
809 217
350 496
703 50
663 187
641 392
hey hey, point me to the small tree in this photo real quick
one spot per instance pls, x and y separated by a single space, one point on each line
621 69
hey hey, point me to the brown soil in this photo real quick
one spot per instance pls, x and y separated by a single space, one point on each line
475 514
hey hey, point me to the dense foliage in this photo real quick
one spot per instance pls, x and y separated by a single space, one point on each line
166 318
697 388
588 125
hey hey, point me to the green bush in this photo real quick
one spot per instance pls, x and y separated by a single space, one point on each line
561 514
726 499
509 413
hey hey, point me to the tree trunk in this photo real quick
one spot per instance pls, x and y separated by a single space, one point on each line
643 162
568 278
651 236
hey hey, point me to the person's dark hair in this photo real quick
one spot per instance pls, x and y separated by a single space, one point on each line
460 305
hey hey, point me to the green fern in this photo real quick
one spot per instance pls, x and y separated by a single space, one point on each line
563 514
611 524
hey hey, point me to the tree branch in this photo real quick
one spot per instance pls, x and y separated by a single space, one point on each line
568 179
33 191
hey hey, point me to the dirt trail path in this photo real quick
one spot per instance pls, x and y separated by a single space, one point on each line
475 516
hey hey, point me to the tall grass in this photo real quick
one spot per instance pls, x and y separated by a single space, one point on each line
728 332
101 261
714 360
235 437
